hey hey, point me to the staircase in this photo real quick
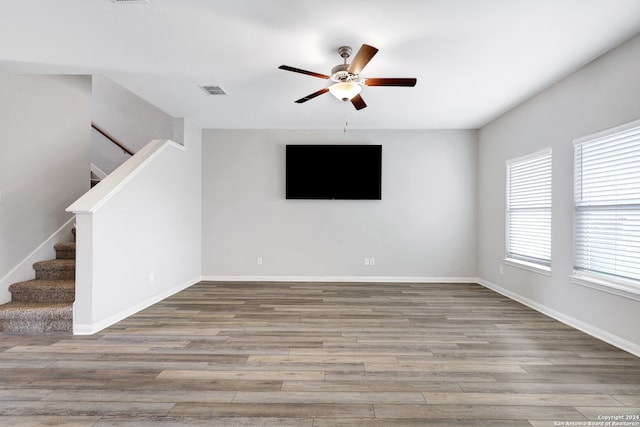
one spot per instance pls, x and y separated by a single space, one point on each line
44 305
95 179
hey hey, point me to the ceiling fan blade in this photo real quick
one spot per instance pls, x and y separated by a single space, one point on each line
362 58
298 70
358 102
313 95
409 82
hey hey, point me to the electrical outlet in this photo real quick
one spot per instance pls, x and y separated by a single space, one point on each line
372 261
367 261
259 260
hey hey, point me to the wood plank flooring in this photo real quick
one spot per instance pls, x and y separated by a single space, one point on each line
321 354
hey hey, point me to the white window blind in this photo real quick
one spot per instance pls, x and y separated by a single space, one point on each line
529 208
607 204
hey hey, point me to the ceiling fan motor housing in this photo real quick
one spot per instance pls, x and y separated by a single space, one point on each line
346 77
340 73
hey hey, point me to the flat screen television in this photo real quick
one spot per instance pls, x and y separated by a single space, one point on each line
339 172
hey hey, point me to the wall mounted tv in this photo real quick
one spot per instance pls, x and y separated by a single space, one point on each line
340 172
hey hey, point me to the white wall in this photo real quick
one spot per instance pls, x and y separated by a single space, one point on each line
128 118
423 228
603 94
139 233
45 124
105 155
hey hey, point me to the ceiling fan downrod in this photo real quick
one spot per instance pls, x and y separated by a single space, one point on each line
340 73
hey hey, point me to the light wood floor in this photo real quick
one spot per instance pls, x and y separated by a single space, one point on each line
318 354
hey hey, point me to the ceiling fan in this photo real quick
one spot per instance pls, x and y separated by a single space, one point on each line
346 77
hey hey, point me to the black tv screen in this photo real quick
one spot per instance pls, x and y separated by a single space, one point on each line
340 172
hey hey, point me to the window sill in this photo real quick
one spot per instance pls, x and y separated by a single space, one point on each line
622 289
529 266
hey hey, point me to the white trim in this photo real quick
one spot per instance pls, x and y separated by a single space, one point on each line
529 266
603 205
24 270
529 156
92 200
619 288
626 345
90 329
346 279
538 155
607 132
98 172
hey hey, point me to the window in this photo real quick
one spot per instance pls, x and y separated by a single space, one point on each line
607 206
529 210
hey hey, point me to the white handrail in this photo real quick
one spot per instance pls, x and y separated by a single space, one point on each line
98 195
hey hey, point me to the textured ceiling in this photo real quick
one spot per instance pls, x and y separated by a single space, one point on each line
474 59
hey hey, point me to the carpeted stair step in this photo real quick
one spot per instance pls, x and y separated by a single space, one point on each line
65 250
55 269
43 291
44 305
18 317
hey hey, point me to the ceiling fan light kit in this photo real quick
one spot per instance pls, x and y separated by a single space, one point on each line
345 91
347 80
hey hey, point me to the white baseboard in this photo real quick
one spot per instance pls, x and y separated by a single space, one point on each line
589 329
90 329
24 270
346 279
626 345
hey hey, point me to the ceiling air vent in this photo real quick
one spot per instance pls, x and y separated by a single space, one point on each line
131 1
213 90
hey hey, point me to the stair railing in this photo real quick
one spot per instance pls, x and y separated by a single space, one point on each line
112 139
